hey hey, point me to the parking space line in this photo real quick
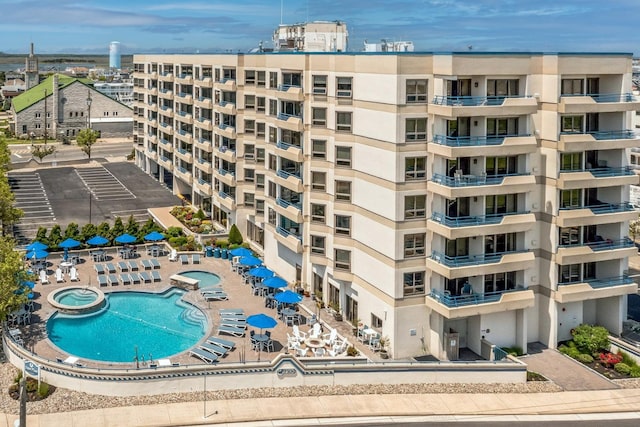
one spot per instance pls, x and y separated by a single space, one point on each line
103 185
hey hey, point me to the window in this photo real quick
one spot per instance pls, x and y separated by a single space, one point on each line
342 259
318 213
495 166
261 78
570 198
318 181
502 126
416 91
499 282
343 87
260 180
273 79
501 204
319 116
249 126
272 217
416 130
261 104
499 243
415 168
318 149
38 115
249 199
273 134
413 283
249 77
376 322
317 245
260 206
572 87
343 225
414 206
414 245
502 87
273 162
249 102
343 190
570 161
273 107
343 121
273 189
572 124
343 156
319 85
249 175
260 130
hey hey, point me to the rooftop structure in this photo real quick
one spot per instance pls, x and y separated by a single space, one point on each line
316 36
388 46
31 73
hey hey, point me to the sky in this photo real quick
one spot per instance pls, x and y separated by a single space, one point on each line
192 26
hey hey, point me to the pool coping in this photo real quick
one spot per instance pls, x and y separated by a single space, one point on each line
75 309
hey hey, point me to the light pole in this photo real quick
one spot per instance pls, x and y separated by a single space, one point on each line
89 151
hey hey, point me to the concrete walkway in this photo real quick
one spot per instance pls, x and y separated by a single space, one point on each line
316 410
567 373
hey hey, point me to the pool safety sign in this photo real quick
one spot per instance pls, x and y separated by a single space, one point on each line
31 369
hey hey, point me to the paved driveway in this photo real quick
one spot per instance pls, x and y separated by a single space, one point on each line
564 371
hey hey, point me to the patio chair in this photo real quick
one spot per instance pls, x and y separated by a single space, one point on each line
155 263
337 350
302 352
229 330
374 343
99 269
466 289
214 348
184 259
135 278
43 277
205 356
123 266
331 337
113 280
146 264
133 266
102 280
59 276
111 269
155 275
195 259
238 318
73 274
125 279
218 296
229 345
231 311
318 352
301 336
212 290
144 276
173 255
316 331
234 323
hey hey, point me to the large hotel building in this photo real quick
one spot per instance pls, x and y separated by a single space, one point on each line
445 200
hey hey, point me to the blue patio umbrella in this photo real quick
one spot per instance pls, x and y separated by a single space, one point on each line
29 284
288 297
30 295
261 321
249 261
97 241
69 243
241 252
154 236
125 239
263 272
275 282
37 254
36 246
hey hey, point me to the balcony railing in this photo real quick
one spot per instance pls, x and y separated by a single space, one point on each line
165 141
285 145
224 172
604 172
603 245
284 174
473 101
472 180
601 135
203 98
226 79
469 221
283 231
203 161
183 113
224 126
225 103
471 299
603 208
466 260
203 182
472 141
607 97
601 283
284 88
184 170
286 203
285 116
224 195
183 151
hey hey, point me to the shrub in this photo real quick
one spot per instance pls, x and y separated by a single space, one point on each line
513 351
41 235
534 376
174 232
55 236
234 235
591 339
610 359
223 243
352 351
584 358
622 368
627 359
200 215
72 231
635 372
569 350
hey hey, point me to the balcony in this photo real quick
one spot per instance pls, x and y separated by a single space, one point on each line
167 111
469 226
225 176
602 213
184 174
227 107
152 106
588 289
290 152
480 185
166 128
603 250
454 106
226 201
204 165
184 136
473 265
184 117
204 144
151 154
184 79
183 154
599 140
165 93
289 122
166 145
226 153
289 180
227 131
203 102
596 177
185 98
289 239
468 146
204 123
226 84
598 103
290 210
165 163
290 93
204 81
457 307
203 187
165 77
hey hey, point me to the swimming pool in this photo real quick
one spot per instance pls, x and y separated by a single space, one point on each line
76 297
207 280
157 325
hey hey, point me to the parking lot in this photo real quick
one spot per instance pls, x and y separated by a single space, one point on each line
67 194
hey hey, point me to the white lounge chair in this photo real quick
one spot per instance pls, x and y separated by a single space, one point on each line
102 280
59 275
205 356
123 266
229 330
300 336
99 269
43 277
229 345
316 331
217 296
173 255
144 276
155 263
214 348
155 275
146 264
111 269
73 274
331 337
113 279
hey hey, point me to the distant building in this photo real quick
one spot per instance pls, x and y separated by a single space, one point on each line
317 36
59 106
120 91
31 73
114 55
388 46
12 88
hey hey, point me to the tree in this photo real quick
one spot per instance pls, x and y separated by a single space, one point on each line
55 236
132 226
590 339
235 238
5 154
12 275
104 230
150 226
9 214
88 231
85 139
117 229
41 151
634 228
41 235
72 231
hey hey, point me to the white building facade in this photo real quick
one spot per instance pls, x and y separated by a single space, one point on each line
437 198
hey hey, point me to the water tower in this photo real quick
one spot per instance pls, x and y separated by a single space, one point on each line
114 55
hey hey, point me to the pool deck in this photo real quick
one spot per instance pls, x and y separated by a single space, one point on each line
240 297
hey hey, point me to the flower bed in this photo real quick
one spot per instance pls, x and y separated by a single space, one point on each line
193 221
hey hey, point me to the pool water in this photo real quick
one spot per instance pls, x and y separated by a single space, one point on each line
157 325
76 297
207 280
